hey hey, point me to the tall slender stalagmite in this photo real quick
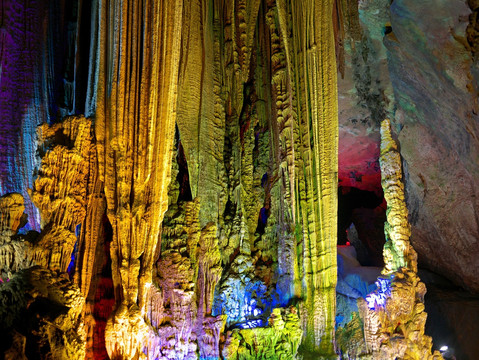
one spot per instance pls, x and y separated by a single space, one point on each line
135 119
393 315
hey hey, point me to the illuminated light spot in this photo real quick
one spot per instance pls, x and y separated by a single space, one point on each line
379 296
71 266
444 348
251 324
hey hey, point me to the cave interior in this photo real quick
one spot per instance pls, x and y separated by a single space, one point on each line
239 179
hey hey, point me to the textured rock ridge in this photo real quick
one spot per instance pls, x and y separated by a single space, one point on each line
44 317
63 192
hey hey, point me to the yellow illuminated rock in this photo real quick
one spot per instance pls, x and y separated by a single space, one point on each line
135 120
62 191
314 65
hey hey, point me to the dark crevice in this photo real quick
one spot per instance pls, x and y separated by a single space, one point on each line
183 174
367 211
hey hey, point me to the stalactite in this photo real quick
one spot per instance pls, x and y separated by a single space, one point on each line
283 198
200 107
315 65
136 112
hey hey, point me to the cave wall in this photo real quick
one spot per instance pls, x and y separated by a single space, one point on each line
415 63
438 109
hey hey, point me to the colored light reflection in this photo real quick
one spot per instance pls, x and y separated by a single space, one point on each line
251 324
378 297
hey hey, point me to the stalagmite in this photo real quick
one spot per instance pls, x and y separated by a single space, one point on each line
393 315
398 252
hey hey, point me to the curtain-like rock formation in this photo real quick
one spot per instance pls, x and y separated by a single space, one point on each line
135 118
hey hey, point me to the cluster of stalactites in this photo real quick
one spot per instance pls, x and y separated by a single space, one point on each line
246 63
134 127
147 85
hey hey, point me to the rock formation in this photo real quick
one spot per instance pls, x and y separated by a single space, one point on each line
169 175
393 315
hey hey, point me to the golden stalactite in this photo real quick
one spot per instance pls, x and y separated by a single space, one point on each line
135 119
200 117
190 86
315 64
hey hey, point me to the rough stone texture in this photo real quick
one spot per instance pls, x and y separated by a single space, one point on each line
350 339
181 301
14 251
364 93
430 67
280 340
41 310
60 190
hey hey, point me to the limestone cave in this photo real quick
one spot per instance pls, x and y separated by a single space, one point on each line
239 179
